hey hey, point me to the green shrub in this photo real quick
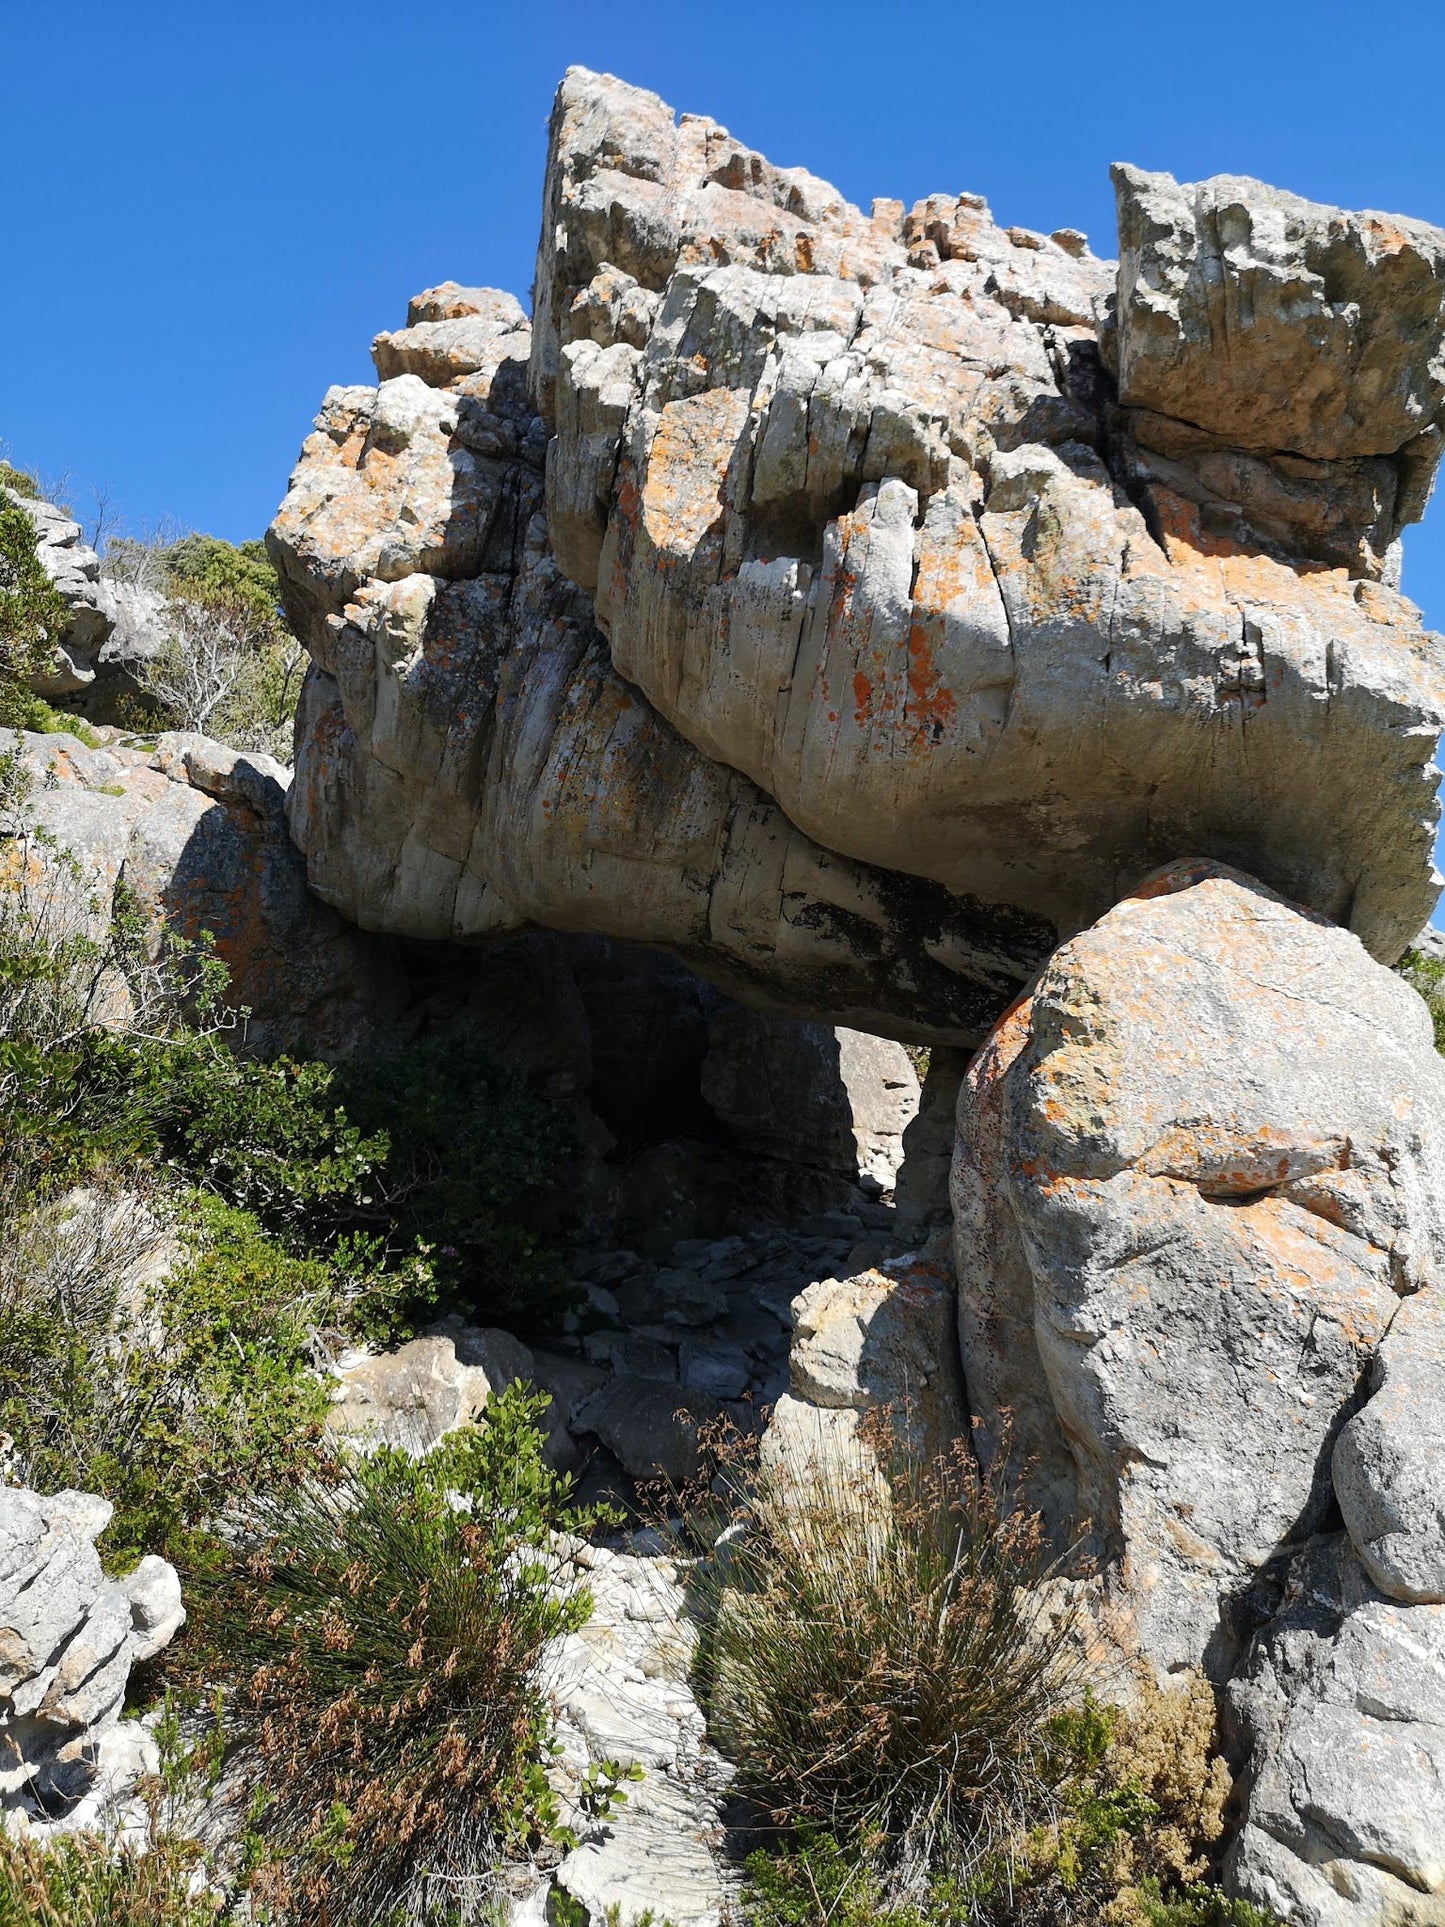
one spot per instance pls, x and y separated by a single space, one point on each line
1427 975
1129 1806
32 614
887 1667
226 665
378 1641
440 1149
207 570
19 481
178 1396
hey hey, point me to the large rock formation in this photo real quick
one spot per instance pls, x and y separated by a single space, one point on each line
900 589
1200 1236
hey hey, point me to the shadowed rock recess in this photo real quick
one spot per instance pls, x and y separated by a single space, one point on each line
928 627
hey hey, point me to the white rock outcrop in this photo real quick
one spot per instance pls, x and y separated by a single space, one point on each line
1199 1196
69 1637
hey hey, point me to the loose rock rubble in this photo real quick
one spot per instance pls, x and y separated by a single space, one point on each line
657 1350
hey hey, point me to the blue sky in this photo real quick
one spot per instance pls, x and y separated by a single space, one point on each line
210 209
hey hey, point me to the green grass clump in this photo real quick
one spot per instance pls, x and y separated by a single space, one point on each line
878 1661
900 1689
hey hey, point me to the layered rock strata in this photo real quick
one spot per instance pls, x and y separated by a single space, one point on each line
850 603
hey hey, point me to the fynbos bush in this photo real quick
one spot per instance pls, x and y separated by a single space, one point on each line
379 1640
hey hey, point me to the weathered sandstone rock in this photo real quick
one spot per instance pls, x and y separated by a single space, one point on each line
74 569
861 520
470 763
866 641
1340 1705
1197 1171
68 1640
877 1349
921 1187
840 1099
112 626
194 836
411 1398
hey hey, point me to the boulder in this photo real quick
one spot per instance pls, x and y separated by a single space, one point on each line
192 836
112 626
885 1341
1339 1709
412 1397
1271 323
649 1426
875 1350
460 699
69 1637
1197 1171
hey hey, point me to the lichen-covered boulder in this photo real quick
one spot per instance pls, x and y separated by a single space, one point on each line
1339 1709
1198 1171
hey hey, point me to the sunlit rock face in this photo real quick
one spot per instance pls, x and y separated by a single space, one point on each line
1196 1189
855 604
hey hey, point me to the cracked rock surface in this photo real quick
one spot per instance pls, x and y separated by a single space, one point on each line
853 603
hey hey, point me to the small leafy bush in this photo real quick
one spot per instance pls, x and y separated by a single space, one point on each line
81 1880
1130 1803
226 664
19 481
32 613
378 1640
177 1385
